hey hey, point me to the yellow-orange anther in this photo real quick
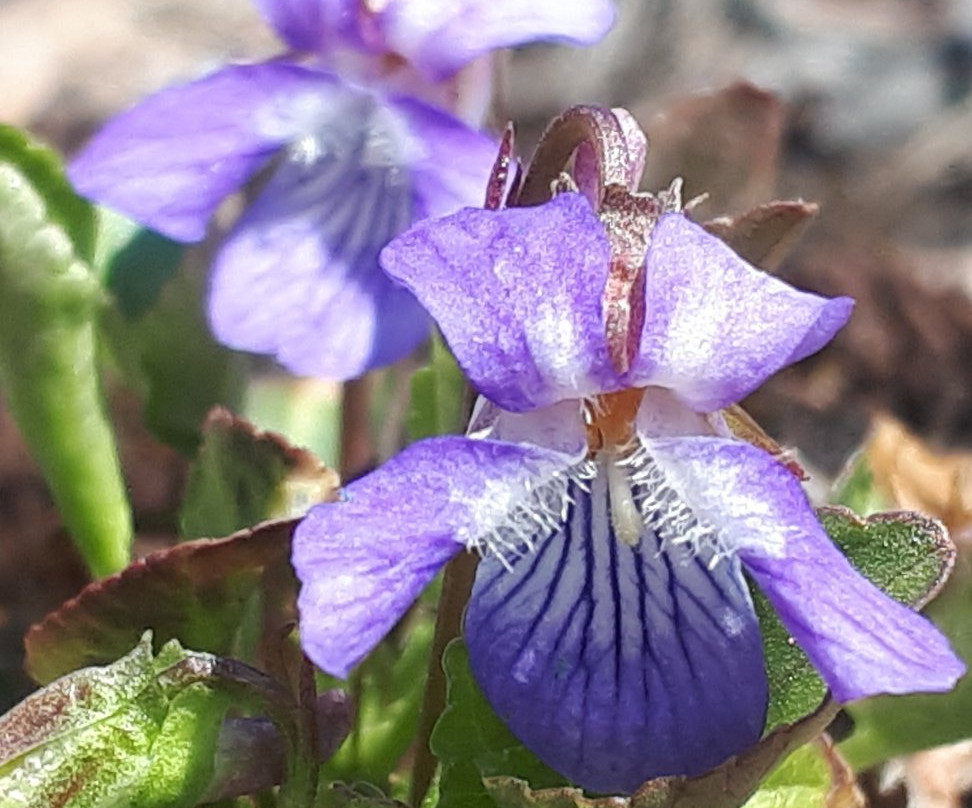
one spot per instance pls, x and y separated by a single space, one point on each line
611 419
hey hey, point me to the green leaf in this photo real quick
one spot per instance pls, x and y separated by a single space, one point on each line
387 689
795 689
905 554
242 476
64 208
801 780
813 775
133 262
471 742
197 592
49 300
438 396
307 411
169 358
855 488
141 731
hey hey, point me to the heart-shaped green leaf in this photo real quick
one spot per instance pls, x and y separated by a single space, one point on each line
242 476
196 591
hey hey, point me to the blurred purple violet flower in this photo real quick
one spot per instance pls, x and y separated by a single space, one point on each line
610 624
358 127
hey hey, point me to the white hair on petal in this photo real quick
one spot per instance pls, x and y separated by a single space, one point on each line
533 518
665 510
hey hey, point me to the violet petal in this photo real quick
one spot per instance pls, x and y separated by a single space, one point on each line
615 663
517 294
363 560
449 163
716 327
169 161
860 640
298 277
440 36
305 25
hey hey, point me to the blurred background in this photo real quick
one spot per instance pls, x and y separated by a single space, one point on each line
861 106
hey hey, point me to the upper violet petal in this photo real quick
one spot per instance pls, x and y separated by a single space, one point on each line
617 663
169 161
862 641
364 559
305 25
440 36
448 162
717 327
517 294
298 276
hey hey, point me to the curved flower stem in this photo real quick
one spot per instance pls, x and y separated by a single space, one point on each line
598 127
456 587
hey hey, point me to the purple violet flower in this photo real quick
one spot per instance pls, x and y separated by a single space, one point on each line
358 126
611 624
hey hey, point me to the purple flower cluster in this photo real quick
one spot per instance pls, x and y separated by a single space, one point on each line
357 128
611 624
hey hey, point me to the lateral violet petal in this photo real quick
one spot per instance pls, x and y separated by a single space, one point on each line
860 640
298 277
364 559
716 327
440 36
169 161
616 663
517 295
449 163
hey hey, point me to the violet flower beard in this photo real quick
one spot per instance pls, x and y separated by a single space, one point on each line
610 624
350 126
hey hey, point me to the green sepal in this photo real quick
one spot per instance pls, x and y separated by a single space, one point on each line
139 732
906 555
49 302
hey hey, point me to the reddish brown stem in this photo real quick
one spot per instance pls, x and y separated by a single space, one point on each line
357 446
456 586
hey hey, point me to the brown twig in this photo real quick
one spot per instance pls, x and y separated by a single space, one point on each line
357 446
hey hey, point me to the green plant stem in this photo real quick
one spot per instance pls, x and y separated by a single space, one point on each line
48 307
